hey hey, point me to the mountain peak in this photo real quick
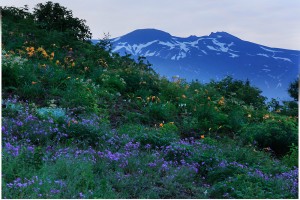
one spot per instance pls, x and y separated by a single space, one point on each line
149 34
222 34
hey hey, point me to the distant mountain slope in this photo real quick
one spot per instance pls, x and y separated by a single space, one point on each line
213 57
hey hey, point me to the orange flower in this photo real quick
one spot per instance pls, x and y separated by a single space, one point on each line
33 82
153 98
161 125
266 116
202 136
221 101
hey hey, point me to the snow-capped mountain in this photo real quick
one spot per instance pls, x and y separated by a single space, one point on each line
213 57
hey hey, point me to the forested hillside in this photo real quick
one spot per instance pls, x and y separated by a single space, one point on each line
79 121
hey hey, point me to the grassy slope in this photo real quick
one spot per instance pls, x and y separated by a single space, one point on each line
81 122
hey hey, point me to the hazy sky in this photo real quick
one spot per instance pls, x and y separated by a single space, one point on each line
274 23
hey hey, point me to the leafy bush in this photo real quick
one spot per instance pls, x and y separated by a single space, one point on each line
277 133
292 158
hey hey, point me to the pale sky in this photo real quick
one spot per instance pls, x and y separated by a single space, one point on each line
274 23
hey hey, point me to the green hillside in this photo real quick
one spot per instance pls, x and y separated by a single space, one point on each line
79 121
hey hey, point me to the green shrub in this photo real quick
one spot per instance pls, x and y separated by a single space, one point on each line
278 133
292 158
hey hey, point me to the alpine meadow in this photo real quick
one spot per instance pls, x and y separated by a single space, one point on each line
82 121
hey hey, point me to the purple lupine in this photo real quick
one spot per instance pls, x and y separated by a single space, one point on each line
54 191
152 164
81 196
131 146
11 149
147 146
31 149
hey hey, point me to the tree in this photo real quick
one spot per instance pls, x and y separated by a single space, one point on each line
294 89
240 90
54 17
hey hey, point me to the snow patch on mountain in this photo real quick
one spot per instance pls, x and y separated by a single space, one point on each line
169 44
285 59
232 55
262 54
220 45
138 47
270 50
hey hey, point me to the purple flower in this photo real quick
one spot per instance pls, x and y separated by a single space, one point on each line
19 123
223 164
164 166
132 146
55 191
153 164
81 196
11 149
148 146
31 149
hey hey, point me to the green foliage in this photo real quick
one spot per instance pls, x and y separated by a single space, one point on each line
89 123
53 16
244 186
154 136
278 133
240 90
292 158
294 89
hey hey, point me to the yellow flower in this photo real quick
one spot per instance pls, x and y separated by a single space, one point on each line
221 101
249 115
266 116
208 98
73 64
172 123
40 49
44 53
30 53
57 62
183 96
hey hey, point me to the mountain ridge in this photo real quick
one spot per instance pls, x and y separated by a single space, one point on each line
213 56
